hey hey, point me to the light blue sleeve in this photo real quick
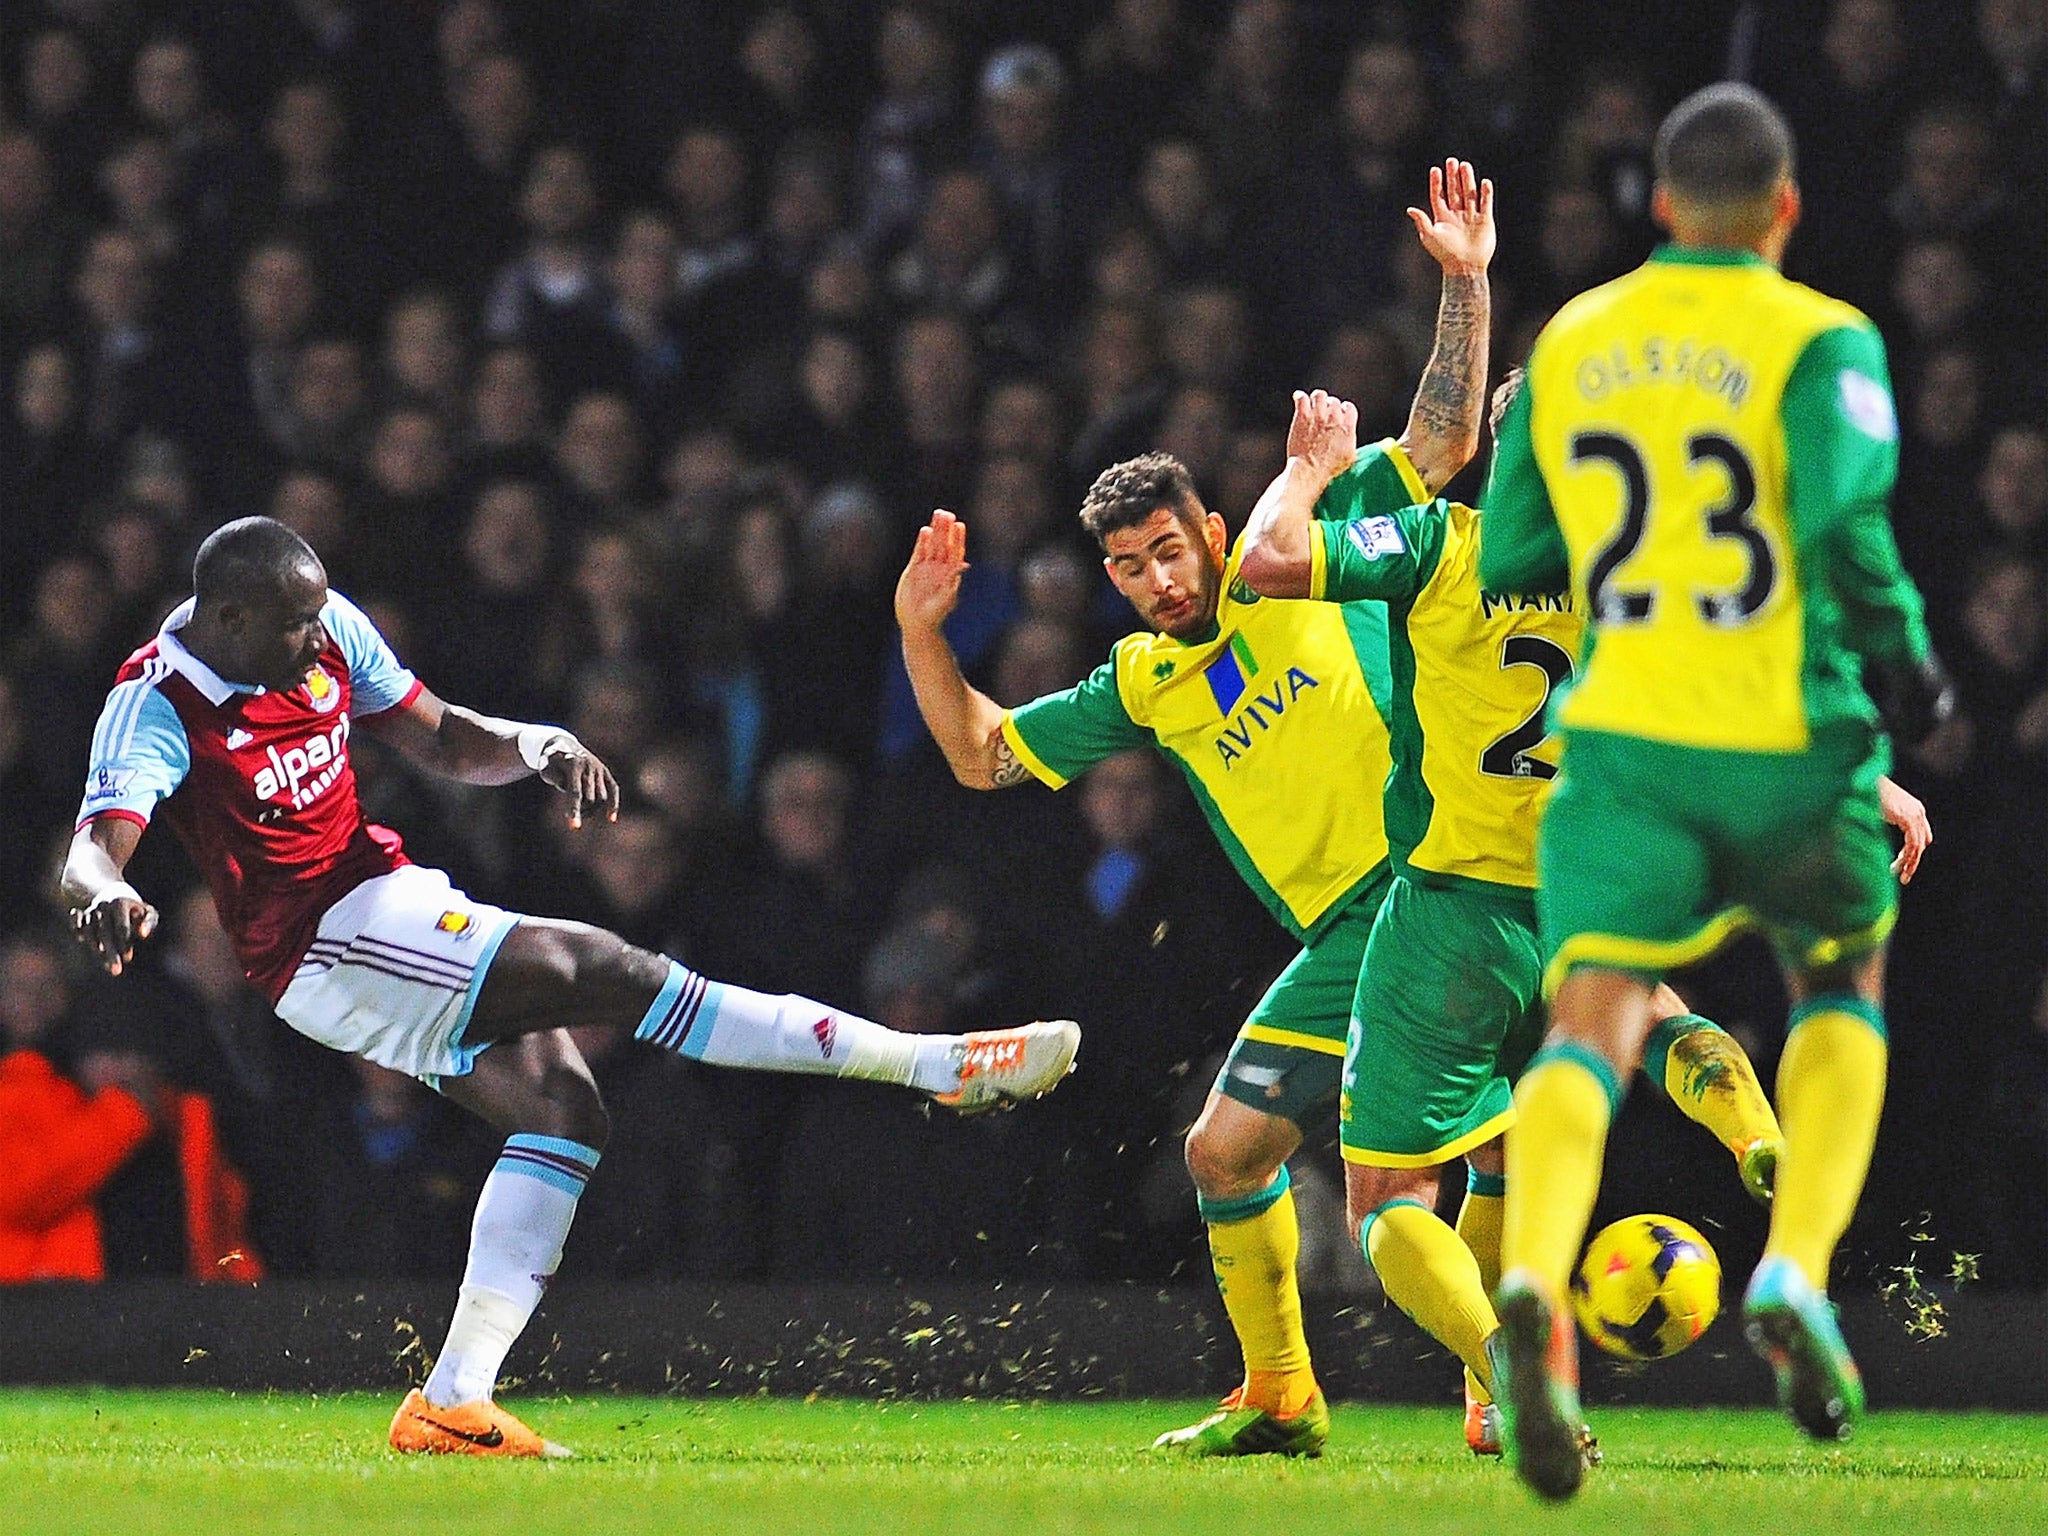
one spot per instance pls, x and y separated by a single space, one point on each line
139 753
380 681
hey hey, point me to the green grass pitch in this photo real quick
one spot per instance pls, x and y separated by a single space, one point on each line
167 1463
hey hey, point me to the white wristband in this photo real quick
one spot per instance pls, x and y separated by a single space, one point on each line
536 740
119 890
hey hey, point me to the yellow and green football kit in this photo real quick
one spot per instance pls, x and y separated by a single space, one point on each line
1276 718
1449 1002
1704 450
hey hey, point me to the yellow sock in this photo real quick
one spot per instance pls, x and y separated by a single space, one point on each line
1563 1106
1709 1077
1429 1274
1254 1242
1831 1090
1479 1225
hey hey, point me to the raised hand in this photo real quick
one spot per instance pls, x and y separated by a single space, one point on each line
929 587
1458 229
1323 433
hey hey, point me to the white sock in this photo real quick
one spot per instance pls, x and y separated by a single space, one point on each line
515 1242
730 1026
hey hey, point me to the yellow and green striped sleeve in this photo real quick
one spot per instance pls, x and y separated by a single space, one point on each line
1064 734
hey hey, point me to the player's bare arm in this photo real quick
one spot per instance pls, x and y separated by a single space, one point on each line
460 744
108 915
1322 442
1904 811
966 723
1442 433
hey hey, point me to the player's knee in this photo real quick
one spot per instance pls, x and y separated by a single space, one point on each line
1368 1190
1222 1166
572 1107
1859 976
605 964
1360 1201
1490 1157
592 1122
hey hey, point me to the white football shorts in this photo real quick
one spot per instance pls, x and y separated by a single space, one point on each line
395 972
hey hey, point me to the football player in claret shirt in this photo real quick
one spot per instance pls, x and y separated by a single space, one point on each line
1703 454
236 719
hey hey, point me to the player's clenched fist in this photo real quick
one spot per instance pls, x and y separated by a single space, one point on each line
112 924
1323 433
930 584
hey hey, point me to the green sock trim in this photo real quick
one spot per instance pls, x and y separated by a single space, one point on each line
1586 1058
1221 1213
1493 1184
1373 1215
1840 1002
1664 1034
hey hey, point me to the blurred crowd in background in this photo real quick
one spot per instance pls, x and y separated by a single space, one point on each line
609 353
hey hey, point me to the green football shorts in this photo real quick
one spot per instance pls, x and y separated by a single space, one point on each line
1290 1051
1449 1010
1653 855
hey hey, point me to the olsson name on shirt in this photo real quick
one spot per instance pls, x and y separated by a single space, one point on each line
1658 360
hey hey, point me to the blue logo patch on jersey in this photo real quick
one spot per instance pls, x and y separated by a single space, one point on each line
1229 673
108 784
1376 536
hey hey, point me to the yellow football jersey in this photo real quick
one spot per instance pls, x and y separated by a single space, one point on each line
1473 673
1277 719
1714 444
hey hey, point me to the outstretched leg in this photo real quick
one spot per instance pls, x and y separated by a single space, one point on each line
550 974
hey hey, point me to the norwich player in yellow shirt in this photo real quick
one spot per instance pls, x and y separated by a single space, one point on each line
1449 1005
1276 714
1703 453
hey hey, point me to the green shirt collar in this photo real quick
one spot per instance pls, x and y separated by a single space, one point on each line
1704 256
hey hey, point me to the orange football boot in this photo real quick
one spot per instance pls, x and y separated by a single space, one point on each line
480 1428
1000 1067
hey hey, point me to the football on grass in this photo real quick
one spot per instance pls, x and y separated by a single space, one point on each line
1648 1286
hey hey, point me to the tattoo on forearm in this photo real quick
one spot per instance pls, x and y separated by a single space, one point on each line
1008 770
1453 388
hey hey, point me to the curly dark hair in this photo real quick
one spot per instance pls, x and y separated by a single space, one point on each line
1125 494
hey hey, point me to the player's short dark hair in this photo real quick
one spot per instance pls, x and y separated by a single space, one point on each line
1125 494
1723 145
247 558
